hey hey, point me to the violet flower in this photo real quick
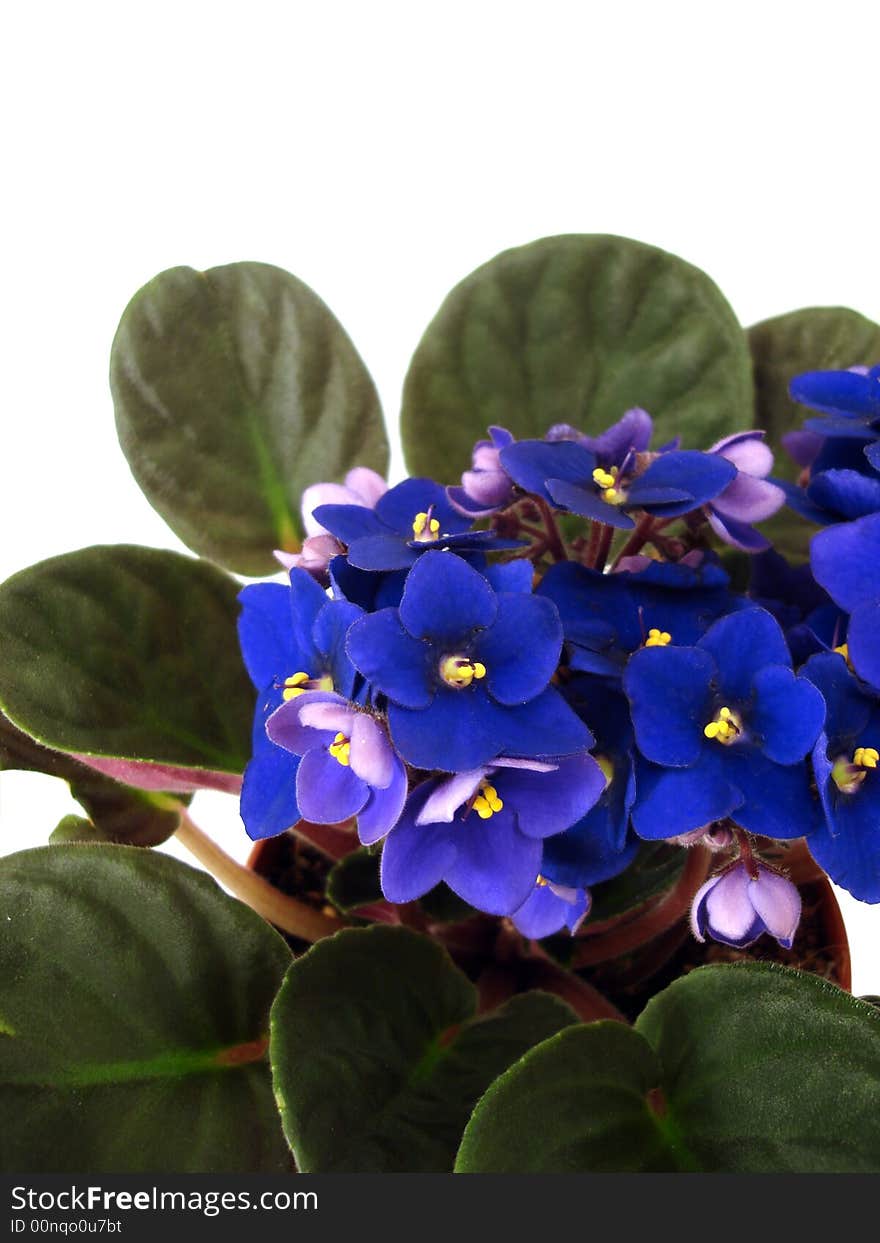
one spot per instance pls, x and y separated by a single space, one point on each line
486 487
750 497
741 903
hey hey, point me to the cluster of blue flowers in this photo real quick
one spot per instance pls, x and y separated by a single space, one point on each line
514 682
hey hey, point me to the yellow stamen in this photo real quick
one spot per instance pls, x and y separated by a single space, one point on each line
425 528
607 482
843 650
866 757
459 671
293 685
487 801
725 728
658 638
542 882
340 749
607 768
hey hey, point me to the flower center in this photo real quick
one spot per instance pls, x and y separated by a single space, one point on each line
726 727
487 802
459 672
340 749
843 650
425 527
658 638
848 775
607 482
299 683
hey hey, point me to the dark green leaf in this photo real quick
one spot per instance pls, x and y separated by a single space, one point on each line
377 1058
575 329
234 389
124 654
354 881
813 339
118 813
731 1069
655 869
134 1011
443 906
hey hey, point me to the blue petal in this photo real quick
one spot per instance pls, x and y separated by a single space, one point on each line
458 731
548 803
544 913
836 391
702 475
328 792
587 853
530 463
777 799
383 808
495 866
391 660
268 794
584 500
848 707
863 642
872 453
445 599
544 729
521 649
329 634
381 552
741 644
846 561
399 506
265 632
670 801
851 856
416 857
669 689
515 576
845 493
349 522
788 714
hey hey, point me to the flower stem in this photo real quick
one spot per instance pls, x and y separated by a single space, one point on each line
278 908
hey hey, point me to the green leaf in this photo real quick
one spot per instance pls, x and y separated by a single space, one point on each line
354 881
731 1069
128 657
655 870
816 338
234 390
77 829
377 1057
575 329
577 1102
134 1012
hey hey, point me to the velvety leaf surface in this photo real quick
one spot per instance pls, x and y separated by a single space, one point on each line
813 339
129 654
118 813
732 1069
377 1057
234 390
354 881
575 329
134 1012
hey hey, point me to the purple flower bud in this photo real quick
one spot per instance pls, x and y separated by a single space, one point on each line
362 487
315 556
739 904
487 485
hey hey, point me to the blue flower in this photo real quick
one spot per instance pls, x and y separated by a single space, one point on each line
292 640
846 562
549 908
347 766
406 522
845 763
744 901
724 728
606 617
482 831
600 845
465 670
809 619
851 398
570 476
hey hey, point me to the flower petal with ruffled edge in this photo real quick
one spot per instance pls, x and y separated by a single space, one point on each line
328 792
670 693
741 644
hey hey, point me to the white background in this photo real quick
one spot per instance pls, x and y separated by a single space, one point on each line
381 151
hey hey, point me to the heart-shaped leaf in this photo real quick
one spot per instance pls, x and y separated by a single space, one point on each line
234 390
732 1069
128 658
118 813
813 339
134 1017
377 1056
575 329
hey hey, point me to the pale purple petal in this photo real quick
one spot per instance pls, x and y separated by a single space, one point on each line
372 756
337 716
367 485
286 727
324 494
384 807
445 800
738 534
748 451
777 903
803 446
316 554
747 499
725 902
